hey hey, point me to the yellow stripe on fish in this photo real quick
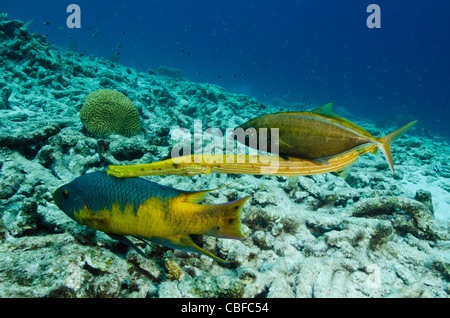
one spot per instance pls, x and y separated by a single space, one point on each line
146 210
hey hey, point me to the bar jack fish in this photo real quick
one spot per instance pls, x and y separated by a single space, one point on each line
319 135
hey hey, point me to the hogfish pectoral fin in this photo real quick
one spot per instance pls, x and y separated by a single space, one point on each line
384 143
185 243
94 219
125 240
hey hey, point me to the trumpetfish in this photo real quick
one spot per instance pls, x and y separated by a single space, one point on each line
246 164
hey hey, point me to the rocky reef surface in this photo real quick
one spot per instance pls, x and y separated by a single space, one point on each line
372 234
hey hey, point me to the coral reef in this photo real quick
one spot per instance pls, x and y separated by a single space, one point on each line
108 112
372 234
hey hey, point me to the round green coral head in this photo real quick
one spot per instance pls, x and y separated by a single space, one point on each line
107 112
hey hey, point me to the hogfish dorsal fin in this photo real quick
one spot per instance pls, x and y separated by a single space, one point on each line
198 196
327 111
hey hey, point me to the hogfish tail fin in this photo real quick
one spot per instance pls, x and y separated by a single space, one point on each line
228 226
384 143
230 222
230 218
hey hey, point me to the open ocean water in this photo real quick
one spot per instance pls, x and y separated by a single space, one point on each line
295 53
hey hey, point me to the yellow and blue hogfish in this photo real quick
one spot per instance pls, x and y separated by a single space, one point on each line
148 211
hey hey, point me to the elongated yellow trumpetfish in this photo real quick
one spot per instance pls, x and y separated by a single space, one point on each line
239 164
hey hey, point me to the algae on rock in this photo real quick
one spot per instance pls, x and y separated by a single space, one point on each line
407 215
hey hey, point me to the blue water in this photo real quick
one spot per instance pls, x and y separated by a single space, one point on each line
312 52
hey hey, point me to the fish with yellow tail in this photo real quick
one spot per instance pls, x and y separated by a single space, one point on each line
148 211
320 134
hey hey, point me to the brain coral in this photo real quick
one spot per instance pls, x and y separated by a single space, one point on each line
108 112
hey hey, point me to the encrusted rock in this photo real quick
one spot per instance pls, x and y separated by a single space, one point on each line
425 197
263 240
8 187
145 266
406 215
2 230
381 234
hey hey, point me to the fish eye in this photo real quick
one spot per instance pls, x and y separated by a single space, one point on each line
65 194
